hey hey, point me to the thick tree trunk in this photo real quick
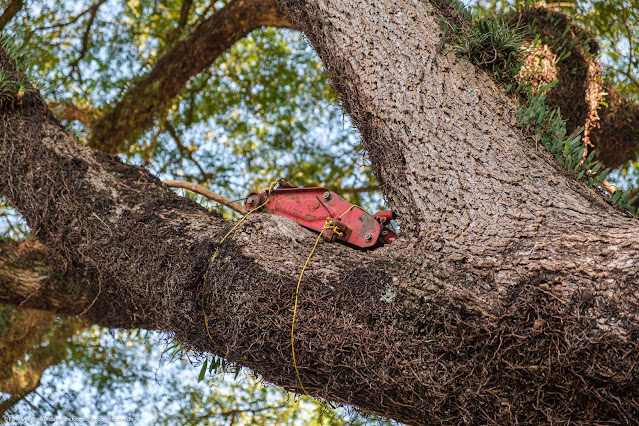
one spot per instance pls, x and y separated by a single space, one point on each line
511 296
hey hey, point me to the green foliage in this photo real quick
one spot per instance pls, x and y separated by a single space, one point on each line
491 43
550 130
621 196
264 110
613 23
486 35
20 56
13 88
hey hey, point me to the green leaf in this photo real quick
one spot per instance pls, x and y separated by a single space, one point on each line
548 86
616 196
203 370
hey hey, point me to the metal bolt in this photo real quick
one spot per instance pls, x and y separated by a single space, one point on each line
250 201
327 195
368 236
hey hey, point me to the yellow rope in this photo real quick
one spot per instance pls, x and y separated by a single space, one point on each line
327 225
270 188
351 208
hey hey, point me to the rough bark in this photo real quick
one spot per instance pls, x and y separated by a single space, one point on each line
26 276
148 98
9 12
511 296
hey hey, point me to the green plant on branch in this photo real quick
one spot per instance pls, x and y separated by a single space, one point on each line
12 86
496 45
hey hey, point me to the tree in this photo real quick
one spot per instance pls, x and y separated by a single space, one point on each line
511 295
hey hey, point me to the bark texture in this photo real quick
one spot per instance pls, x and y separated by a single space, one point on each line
148 98
26 276
511 296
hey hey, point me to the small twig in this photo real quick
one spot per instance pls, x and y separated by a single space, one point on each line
632 78
148 156
55 408
494 59
207 193
94 299
73 19
359 190
30 295
86 35
185 151
33 407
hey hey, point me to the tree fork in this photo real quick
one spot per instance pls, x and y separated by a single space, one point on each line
511 297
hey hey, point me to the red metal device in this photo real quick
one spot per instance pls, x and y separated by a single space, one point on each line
311 207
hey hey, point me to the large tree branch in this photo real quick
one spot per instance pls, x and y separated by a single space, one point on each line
25 276
9 12
82 113
512 294
144 101
568 54
30 278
